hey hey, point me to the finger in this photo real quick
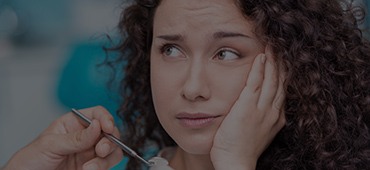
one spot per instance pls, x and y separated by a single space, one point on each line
270 83
255 79
73 142
105 146
250 94
85 155
102 115
279 98
278 103
104 163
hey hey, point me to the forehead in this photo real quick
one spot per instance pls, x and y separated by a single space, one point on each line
197 6
198 14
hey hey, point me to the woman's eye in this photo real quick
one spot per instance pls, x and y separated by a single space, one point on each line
171 51
227 55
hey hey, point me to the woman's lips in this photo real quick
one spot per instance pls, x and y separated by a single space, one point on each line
196 120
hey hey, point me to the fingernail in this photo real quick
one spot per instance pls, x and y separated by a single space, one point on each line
105 147
91 166
263 58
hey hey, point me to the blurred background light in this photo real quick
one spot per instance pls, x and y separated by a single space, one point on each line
8 21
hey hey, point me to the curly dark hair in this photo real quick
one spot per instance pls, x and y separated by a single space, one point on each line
327 60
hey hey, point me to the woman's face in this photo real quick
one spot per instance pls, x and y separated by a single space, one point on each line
201 55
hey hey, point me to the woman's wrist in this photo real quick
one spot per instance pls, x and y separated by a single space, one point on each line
22 159
14 163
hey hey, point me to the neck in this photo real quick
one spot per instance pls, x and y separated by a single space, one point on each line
186 161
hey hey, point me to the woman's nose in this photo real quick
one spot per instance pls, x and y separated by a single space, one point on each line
195 87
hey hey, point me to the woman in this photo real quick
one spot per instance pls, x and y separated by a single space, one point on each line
200 54
219 84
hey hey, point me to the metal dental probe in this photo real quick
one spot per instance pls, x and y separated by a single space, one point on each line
114 139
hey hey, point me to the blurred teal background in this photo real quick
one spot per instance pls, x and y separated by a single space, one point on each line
49 56
50 51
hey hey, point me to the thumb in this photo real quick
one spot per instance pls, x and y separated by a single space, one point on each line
77 141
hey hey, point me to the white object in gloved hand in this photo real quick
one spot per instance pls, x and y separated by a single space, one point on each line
159 163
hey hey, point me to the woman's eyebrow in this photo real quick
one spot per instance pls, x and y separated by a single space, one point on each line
171 37
216 35
224 34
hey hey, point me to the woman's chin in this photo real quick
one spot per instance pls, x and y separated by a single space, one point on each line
196 146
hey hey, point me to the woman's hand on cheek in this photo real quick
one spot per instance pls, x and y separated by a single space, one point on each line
254 120
68 144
